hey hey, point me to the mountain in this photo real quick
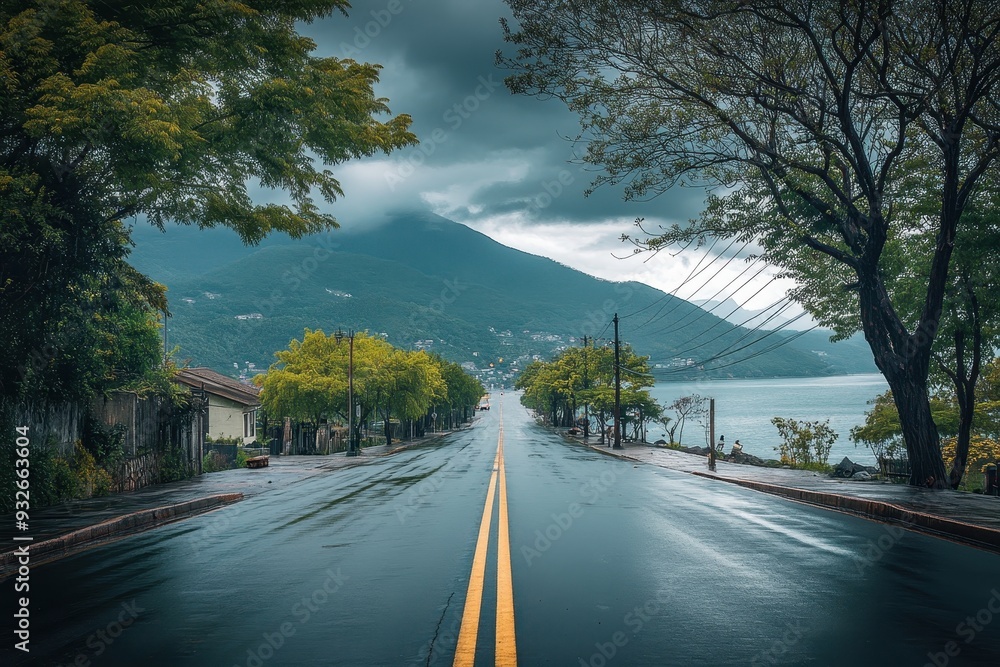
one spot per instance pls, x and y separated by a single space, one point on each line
428 282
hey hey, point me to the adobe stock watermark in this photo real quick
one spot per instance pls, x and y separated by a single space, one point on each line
300 272
591 491
102 638
967 630
793 635
633 621
302 611
220 523
364 34
451 290
453 117
551 190
876 549
441 644
596 320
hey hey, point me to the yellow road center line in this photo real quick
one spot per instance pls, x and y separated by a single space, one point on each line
506 645
465 651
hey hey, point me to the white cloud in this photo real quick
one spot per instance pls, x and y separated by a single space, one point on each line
595 248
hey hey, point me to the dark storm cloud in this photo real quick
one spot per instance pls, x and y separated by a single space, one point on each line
438 59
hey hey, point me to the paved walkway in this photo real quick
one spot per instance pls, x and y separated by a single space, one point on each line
968 517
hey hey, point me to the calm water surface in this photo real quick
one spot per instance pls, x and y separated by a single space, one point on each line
744 408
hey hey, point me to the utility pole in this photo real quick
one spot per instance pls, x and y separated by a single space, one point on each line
618 390
711 434
586 405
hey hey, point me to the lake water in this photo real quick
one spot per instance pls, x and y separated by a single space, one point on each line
744 408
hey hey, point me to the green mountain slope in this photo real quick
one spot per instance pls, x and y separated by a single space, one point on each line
428 282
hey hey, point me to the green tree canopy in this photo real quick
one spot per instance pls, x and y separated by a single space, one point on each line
585 376
168 110
310 381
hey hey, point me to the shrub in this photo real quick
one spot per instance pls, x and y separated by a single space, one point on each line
214 462
92 480
804 444
982 452
173 466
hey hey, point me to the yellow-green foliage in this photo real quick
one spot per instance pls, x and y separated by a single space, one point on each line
91 479
982 452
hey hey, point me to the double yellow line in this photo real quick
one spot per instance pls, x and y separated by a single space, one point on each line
506 646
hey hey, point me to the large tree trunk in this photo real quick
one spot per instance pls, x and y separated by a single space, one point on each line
923 444
904 360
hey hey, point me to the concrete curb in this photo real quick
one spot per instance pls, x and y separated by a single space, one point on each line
938 526
120 526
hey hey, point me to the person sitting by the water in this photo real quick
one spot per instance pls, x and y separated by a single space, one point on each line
737 448
722 444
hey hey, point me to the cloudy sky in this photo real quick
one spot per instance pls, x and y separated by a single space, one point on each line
501 164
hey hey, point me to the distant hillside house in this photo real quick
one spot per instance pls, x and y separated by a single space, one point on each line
232 406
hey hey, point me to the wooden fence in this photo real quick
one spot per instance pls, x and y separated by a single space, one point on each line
150 429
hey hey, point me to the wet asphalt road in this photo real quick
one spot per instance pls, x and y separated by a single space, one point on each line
612 564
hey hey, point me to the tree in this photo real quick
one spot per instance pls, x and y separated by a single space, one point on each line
684 407
883 434
168 110
970 323
418 382
819 111
556 389
462 390
308 381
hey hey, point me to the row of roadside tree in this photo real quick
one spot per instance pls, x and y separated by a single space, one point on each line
310 383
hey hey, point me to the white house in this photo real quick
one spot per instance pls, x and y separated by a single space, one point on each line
232 405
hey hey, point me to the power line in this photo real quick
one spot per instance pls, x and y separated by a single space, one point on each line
750 331
695 272
684 282
680 324
727 352
768 349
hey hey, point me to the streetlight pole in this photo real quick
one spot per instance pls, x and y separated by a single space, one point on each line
351 448
618 390
586 386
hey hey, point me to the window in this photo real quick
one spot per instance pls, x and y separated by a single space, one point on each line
250 424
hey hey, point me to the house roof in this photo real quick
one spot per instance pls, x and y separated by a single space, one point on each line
219 384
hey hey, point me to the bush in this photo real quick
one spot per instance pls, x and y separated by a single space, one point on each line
241 458
92 480
804 444
173 467
982 452
214 462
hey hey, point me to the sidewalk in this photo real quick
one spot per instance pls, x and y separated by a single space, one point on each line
59 530
970 518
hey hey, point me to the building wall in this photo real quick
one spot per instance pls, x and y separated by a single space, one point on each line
225 419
